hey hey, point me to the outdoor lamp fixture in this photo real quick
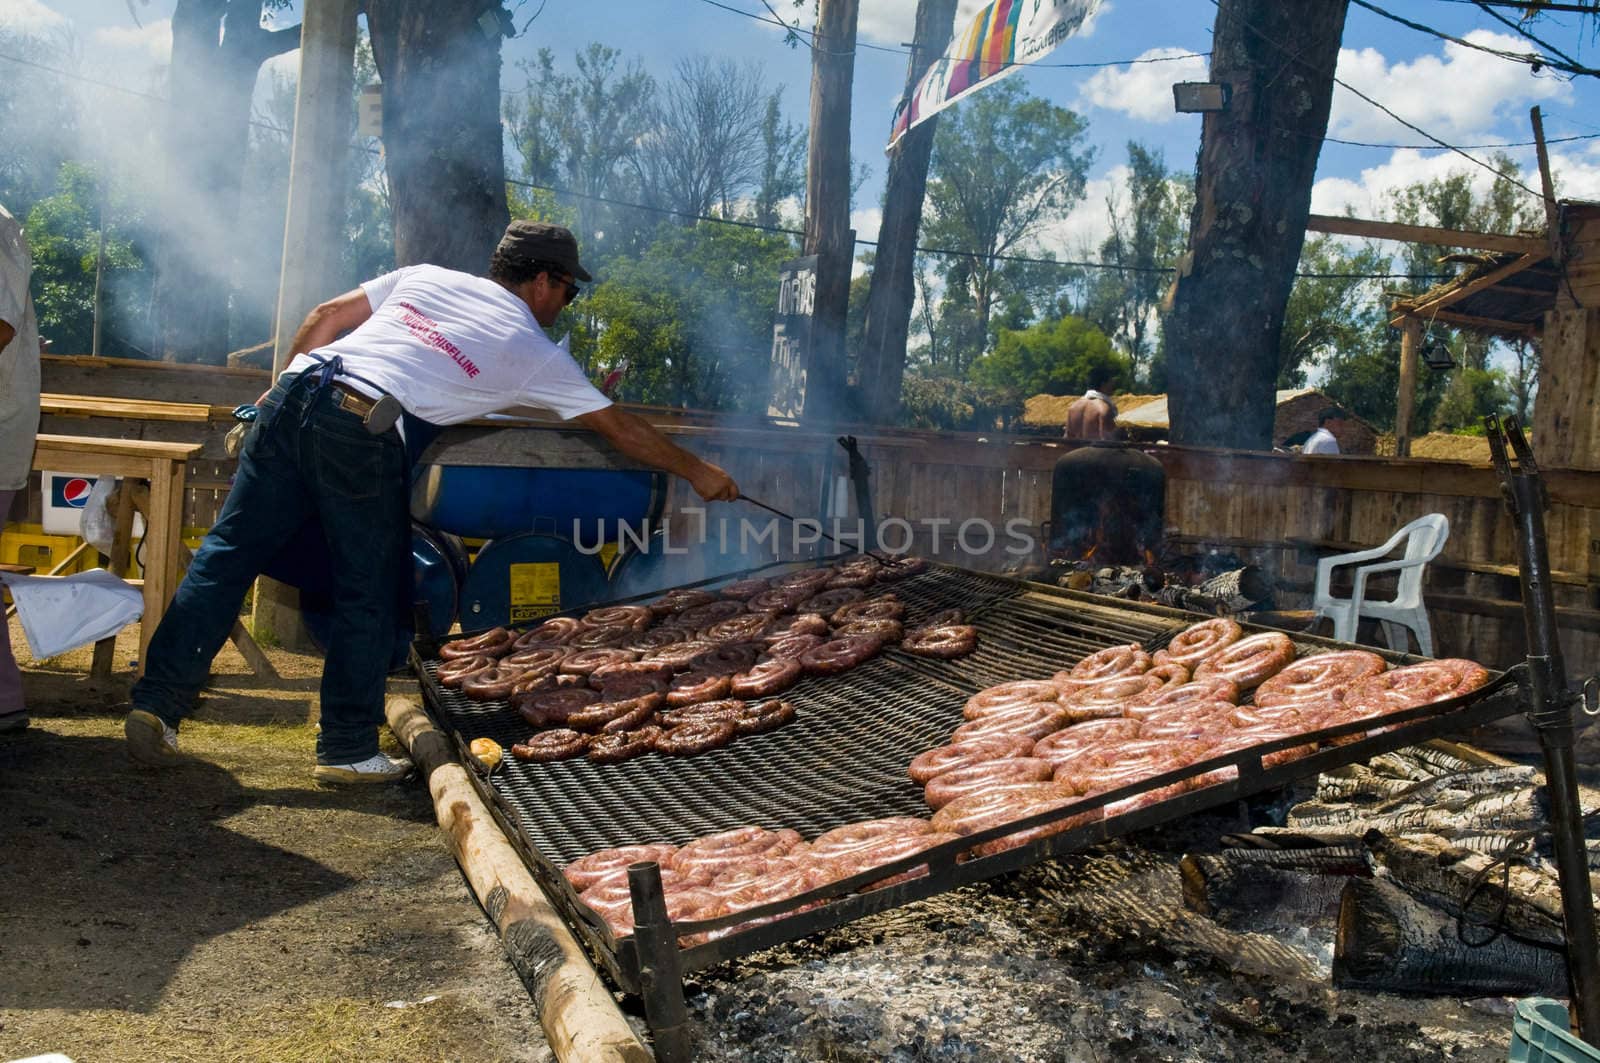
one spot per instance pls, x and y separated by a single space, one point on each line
1191 97
1436 356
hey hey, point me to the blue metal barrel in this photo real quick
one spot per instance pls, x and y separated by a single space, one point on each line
523 577
665 563
438 569
489 502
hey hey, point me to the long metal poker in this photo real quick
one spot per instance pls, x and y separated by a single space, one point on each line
794 520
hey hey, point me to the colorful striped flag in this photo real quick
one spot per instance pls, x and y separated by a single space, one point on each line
1004 35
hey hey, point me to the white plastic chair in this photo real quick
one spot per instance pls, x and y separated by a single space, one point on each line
1423 539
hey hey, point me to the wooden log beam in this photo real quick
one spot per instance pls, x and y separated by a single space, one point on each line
1259 889
1427 307
580 1017
1423 234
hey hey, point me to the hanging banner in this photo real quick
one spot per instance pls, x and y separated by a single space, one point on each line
1003 36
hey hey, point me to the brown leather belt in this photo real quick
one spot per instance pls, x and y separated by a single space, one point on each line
352 401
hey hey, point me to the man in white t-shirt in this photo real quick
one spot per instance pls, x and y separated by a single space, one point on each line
441 345
19 420
1325 440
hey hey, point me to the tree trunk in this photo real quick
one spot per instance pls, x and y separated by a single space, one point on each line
889 299
1252 194
218 47
440 65
827 233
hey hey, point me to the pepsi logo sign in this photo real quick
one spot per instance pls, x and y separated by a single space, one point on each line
70 491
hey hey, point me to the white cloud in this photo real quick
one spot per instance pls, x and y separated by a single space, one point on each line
29 17
1143 90
866 221
1456 94
894 22
1370 194
1080 234
151 42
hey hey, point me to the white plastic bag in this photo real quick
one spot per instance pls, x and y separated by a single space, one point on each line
60 613
97 526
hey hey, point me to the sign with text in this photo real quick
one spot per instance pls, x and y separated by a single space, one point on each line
791 336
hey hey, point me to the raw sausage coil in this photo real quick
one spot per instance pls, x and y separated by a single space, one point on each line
745 589
587 662
1032 721
887 630
725 709
792 646
887 607
703 616
798 624
959 782
1198 641
679 600
496 642
588 870
543 708
1319 676
492 684
828 602
1249 662
729 658
596 637
553 632
935 762
951 640
1110 663
454 670
693 687
777 600
747 627
637 617
1008 695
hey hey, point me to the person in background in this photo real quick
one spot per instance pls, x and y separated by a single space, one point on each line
1094 416
1325 440
439 345
19 420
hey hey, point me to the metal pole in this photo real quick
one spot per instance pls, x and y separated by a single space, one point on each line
1552 714
660 972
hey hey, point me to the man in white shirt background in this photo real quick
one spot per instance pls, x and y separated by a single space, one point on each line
19 420
1325 440
441 345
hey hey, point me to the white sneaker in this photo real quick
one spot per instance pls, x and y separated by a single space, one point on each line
151 741
377 768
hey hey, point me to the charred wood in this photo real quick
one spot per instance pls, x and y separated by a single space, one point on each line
1263 889
1387 940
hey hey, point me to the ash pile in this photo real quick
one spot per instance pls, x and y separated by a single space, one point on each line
1385 911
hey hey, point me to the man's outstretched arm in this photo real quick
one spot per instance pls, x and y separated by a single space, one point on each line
637 439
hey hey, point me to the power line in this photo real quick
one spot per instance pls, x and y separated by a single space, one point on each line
1294 57
801 34
1563 63
1019 259
1432 147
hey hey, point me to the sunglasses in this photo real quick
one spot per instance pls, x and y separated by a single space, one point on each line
572 289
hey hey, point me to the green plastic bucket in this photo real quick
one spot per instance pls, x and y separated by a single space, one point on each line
1540 1034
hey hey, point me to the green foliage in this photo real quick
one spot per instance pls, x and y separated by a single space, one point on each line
1149 231
932 400
64 236
1056 357
1472 395
692 315
1330 316
1005 164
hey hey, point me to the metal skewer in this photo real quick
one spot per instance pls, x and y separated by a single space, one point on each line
795 520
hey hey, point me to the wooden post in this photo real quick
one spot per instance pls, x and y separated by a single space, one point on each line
888 318
827 232
323 117
121 543
1410 339
580 1017
1552 209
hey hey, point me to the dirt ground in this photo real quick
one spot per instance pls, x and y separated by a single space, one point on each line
232 909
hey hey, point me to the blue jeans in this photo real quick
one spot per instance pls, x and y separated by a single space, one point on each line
305 457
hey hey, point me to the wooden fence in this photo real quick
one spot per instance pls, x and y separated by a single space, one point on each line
1279 511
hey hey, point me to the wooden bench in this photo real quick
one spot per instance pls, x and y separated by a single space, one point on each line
165 467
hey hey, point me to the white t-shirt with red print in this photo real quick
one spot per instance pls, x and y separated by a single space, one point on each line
453 346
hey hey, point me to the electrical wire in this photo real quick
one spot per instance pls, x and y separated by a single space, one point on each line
801 34
688 215
1432 147
1565 63
1294 57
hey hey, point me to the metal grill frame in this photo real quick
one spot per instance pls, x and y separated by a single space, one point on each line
636 973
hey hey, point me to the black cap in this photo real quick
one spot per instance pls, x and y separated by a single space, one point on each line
540 241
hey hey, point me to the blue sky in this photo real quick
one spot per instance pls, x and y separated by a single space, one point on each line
1460 95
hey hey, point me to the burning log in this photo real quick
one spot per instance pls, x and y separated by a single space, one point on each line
1388 940
1267 889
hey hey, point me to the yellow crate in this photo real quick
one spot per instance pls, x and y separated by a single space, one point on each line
28 544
